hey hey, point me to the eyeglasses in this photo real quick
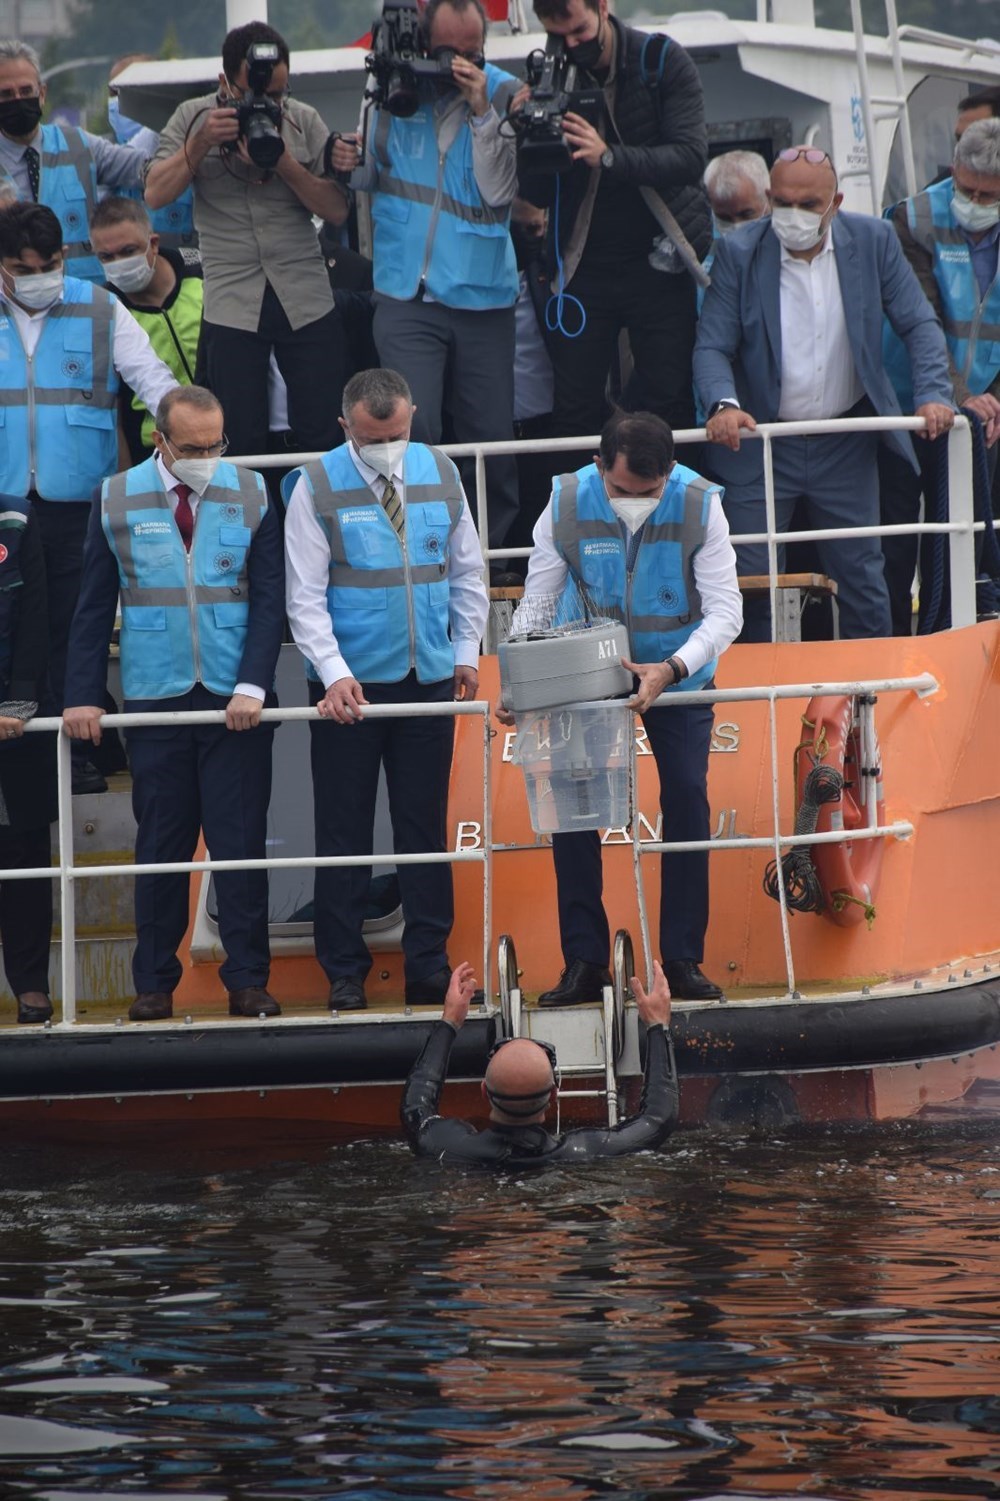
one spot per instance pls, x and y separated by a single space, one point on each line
812 154
975 195
26 91
192 451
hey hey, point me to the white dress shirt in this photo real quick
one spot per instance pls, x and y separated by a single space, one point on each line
307 575
714 574
170 483
818 374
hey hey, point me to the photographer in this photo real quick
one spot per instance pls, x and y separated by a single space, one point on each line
442 181
256 164
607 244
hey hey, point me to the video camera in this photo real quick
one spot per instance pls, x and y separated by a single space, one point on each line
400 58
552 78
259 118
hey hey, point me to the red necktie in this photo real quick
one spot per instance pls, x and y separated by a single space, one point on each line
184 516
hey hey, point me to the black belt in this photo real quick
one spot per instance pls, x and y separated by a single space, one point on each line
533 427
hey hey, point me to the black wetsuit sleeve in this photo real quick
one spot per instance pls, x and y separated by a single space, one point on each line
429 1134
657 1111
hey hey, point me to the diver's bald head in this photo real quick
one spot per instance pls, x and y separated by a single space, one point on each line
519 1081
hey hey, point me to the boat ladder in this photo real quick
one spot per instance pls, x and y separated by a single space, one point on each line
595 1078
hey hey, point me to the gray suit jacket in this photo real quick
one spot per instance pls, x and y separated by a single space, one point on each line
738 350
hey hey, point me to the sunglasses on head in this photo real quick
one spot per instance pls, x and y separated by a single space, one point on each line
811 153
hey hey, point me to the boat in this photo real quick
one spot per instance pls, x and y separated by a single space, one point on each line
884 1005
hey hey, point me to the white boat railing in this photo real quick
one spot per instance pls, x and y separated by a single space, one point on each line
961 526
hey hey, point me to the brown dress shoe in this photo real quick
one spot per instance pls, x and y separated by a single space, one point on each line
151 1006
253 1001
34 1006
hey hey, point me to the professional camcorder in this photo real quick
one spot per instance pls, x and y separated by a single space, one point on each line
552 78
259 117
400 58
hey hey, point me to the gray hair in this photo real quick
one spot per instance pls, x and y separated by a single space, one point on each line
18 52
978 148
725 174
190 396
377 391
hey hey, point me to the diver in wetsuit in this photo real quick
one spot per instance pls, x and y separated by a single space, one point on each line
520 1079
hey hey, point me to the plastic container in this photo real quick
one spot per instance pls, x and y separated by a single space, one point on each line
564 666
575 762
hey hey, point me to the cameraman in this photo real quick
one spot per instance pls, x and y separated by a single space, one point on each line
266 285
602 229
445 279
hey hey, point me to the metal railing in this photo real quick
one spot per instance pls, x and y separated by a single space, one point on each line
961 526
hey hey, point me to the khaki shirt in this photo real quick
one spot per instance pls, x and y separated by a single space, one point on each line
251 227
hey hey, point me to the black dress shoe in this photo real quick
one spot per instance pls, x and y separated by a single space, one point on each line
687 983
34 1006
87 778
347 993
151 1006
430 991
579 984
255 1000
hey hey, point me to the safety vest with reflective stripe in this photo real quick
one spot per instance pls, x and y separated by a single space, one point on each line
184 614
659 601
390 607
431 224
971 322
13 520
58 410
68 186
174 333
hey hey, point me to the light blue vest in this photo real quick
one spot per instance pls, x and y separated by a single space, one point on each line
971 323
58 413
390 607
184 615
431 224
659 603
174 222
68 186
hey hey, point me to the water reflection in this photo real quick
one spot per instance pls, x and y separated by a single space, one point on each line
811 1316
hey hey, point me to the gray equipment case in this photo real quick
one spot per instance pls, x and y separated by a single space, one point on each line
547 669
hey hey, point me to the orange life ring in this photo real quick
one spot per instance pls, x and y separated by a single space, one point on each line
849 871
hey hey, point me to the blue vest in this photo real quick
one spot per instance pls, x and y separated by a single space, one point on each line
58 415
971 323
184 615
174 222
68 186
659 602
390 606
13 520
431 224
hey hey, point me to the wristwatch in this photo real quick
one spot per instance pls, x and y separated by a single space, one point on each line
719 406
607 157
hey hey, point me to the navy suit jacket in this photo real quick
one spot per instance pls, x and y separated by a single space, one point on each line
738 349
93 622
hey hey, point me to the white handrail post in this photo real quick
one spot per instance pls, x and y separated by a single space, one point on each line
482 504
905 133
487 851
874 176
67 890
772 537
962 551
640 889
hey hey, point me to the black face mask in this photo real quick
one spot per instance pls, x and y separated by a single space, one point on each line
20 117
587 55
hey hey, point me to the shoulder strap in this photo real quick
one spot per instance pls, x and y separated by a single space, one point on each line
653 60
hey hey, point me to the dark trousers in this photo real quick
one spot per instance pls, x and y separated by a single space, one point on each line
186 779
534 482
25 910
462 361
416 754
679 740
659 312
62 526
313 364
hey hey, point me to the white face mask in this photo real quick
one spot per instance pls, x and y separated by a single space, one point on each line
131 274
974 217
39 292
632 510
725 226
198 473
798 228
385 458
